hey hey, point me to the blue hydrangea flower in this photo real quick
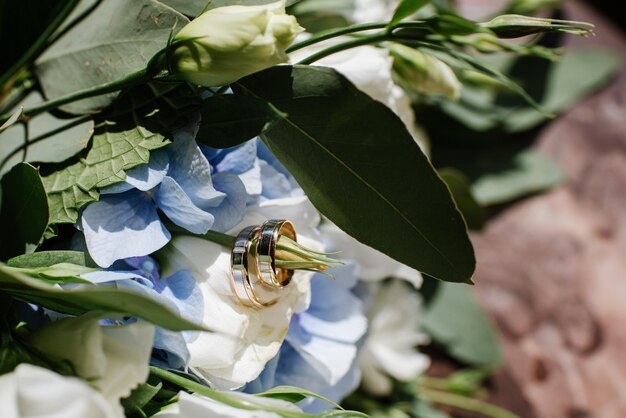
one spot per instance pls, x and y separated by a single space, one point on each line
177 181
320 349
179 292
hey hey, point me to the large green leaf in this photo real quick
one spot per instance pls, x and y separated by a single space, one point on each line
24 213
230 119
455 321
117 145
362 169
84 298
474 214
44 138
50 258
118 38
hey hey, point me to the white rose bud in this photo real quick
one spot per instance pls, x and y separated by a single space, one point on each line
423 73
226 43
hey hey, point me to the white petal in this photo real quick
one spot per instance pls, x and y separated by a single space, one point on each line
35 392
114 358
244 338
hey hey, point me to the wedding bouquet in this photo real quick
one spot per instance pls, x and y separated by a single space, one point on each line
208 211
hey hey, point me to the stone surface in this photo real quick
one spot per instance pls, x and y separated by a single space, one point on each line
552 268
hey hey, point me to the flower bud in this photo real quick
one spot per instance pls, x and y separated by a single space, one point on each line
226 43
513 26
423 73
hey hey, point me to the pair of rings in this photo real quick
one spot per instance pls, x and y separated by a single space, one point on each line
254 278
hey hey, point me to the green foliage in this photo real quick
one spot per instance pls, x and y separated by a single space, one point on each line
295 394
359 165
83 298
474 214
117 146
406 8
230 119
44 138
140 396
487 111
118 38
455 322
23 211
49 258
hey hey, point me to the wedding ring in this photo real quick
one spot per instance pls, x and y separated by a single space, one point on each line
246 280
265 250
239 273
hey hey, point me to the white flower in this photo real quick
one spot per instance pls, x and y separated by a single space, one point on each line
369 68
423 73
195 406
114 358
390 347
34 392
372 264
230 42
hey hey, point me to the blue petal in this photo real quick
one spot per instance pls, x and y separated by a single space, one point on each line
121 226
143 177
179 208
182 289
148 176
238 159
232 210
265 154
191 170
275 184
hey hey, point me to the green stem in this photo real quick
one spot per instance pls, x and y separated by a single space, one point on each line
463 402
221 397
365 40
333 33
40 43
224 240
130 80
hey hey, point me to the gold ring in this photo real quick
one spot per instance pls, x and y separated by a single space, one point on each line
265 249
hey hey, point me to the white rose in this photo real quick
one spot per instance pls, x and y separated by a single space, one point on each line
389 349
244 338
114 358
195 406
230 42
34 392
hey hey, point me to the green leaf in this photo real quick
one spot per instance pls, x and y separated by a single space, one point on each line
362 169
140 396
474 214
83 298
194 7
454 320
230 119
118 38
405 9
295 394
49 258
529 172
424 409
504 172
24 213
117 146
486 113
44 138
